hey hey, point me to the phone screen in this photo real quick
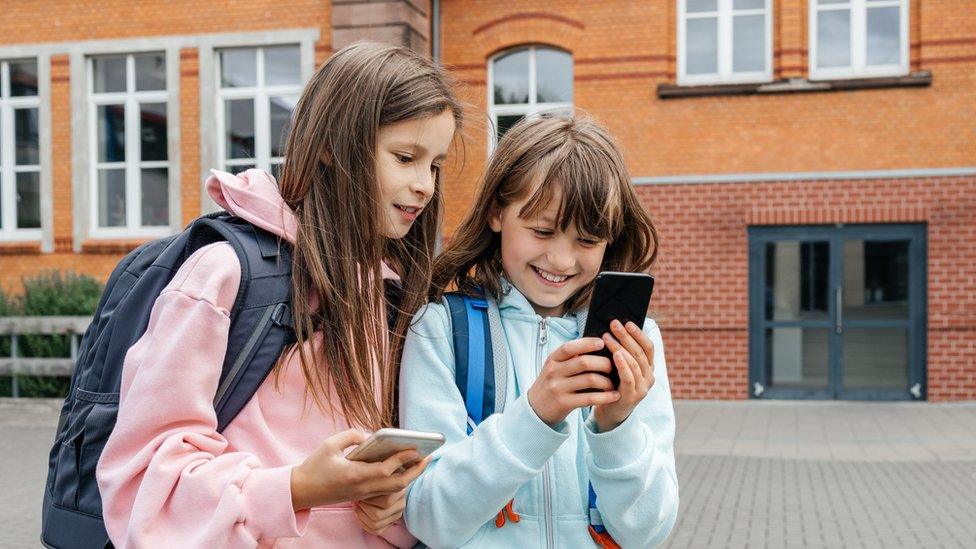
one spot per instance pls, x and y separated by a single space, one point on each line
617 296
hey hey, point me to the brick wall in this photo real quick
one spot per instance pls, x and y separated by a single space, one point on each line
623 50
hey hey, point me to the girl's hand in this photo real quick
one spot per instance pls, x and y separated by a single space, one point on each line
378 513
326 477
567 371
633 355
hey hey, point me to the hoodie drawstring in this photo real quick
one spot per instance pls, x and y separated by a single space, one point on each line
512 515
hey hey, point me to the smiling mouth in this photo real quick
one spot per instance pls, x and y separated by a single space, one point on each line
551 278
408 209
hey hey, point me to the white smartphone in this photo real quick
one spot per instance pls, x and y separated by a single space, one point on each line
386 442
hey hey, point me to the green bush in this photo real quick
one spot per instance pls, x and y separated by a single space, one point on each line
50 293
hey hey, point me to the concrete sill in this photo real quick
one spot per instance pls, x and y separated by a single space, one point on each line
795 85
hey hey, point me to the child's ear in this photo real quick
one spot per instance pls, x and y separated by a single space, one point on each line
495 218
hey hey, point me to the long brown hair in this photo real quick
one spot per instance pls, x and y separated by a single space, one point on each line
569 155
329 180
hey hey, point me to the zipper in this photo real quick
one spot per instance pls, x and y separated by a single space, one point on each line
546 488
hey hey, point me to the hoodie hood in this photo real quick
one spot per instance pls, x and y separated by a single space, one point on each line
253 195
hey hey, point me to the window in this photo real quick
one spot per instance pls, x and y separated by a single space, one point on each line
528 81
858 38
724 41
258 89
20 169
131 168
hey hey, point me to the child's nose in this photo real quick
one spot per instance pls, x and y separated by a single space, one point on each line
423 184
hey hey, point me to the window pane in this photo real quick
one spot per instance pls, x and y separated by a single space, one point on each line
832 1
695 6
23 78
748 4
29 200
749 43
554 76
152 136
239 168
701 44
798 357
150 72
238 68
511 78
239 118
875 358
276 170
109 74
111 198
876 280
155 197
111 133
797 278
884 36
505 122
834 38
25 134
282 65
281 109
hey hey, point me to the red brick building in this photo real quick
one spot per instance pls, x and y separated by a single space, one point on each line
811 164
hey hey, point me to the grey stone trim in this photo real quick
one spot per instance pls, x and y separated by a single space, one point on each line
47 164
803 176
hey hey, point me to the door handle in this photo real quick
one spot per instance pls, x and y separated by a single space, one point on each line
839 302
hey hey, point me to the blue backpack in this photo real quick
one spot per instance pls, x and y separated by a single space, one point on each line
260 328
481 375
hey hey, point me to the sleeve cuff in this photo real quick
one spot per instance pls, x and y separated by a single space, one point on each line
618 447
268 510
528 437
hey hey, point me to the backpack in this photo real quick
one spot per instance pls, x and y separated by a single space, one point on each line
260 328
481 375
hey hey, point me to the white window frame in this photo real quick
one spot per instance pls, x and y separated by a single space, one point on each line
133 163
8 171
261 94
725 74
859 67
533 107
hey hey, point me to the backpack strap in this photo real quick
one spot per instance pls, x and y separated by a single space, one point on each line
473 355
261 324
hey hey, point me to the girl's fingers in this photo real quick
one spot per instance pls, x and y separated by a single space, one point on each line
585 363
626 338
576 347
580 382
624 368
647 346
582 400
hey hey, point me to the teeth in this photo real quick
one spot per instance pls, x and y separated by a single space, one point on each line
550 277
408 210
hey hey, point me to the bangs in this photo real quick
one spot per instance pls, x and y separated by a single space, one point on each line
587 187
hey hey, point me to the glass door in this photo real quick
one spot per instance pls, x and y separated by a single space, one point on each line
837 312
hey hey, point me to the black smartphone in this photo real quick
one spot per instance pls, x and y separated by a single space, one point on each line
617 296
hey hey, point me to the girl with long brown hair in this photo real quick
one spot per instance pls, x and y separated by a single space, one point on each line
556 206
357 202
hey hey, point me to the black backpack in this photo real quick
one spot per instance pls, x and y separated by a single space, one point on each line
260 328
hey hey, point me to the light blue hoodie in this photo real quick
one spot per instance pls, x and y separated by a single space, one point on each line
514 454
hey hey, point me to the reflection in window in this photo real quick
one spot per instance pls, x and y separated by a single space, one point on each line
259 88
852 38
724 41
526 82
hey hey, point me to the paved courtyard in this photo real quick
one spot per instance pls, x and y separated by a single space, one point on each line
775 474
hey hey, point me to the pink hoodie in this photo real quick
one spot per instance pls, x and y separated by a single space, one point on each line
167 478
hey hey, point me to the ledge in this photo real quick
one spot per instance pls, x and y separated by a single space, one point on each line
99 246
796 85
20 247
